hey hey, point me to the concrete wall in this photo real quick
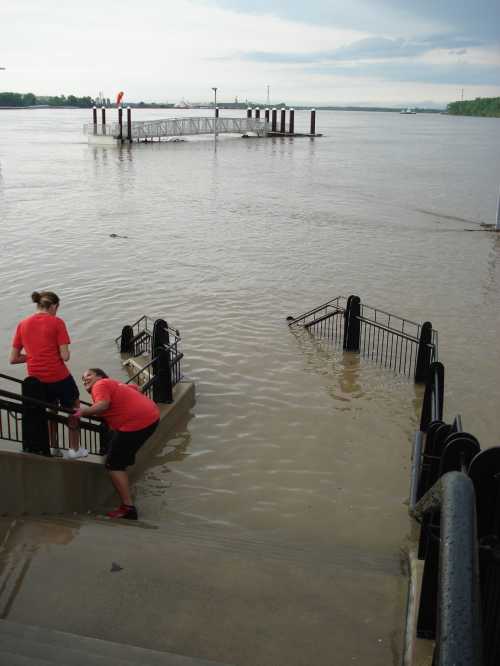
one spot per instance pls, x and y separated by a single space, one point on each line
31 484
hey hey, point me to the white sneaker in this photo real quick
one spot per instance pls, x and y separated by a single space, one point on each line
73 455
57 453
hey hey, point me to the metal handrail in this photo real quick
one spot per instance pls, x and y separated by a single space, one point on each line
458 636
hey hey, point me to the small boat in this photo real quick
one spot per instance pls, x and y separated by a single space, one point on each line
409 109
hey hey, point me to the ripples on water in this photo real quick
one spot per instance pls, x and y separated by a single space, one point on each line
225 244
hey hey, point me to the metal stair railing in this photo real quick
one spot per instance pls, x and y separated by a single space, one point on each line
16 411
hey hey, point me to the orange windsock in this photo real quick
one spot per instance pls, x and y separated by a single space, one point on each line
119 97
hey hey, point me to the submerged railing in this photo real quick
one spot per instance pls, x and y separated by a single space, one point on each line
395 343
163 369
38 425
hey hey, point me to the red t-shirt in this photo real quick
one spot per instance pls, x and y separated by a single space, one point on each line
128 409
41 335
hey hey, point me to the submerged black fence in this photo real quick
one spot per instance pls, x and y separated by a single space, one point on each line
401 345
26 418
455 494
160 344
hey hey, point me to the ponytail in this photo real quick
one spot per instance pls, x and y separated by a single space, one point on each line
44 299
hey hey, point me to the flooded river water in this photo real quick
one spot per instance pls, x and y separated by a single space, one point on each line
287 438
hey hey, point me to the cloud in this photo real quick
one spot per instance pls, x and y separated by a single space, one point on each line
367 49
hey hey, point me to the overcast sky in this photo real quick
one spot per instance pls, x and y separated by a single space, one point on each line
318 52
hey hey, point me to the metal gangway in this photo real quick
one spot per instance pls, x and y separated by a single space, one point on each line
150 130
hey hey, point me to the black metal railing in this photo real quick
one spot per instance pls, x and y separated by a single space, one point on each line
395 343
38 425
450 609
162 344
441 449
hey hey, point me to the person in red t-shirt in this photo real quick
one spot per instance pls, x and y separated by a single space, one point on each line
44 338
132 416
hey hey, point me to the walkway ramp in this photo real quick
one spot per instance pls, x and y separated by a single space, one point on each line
25 645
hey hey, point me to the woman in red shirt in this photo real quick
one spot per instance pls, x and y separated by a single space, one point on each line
44 338
133 418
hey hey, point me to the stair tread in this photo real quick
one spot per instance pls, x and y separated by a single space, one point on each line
12 659
38 642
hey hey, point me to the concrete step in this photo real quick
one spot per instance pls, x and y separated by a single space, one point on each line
25 645
10 659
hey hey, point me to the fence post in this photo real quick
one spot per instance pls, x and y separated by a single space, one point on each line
352 324
126 341
35 423
162 387
424 353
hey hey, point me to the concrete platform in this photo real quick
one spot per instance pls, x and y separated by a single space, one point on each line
32 484
230 595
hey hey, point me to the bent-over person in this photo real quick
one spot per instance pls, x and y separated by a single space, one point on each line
132 417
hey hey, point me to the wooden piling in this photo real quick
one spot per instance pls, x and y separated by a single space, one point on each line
129 124
94 119
257 113
103 120
283 118
216 111
273 122
313 121
249 112
266 115
291 128
120 122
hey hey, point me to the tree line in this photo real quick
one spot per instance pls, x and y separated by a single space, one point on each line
13 99
481 106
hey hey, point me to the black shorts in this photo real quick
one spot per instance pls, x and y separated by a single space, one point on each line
64 392
123 446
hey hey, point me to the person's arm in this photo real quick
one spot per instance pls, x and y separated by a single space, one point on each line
96 409
64 352
16 356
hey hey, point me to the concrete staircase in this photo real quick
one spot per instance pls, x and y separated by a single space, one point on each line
25 645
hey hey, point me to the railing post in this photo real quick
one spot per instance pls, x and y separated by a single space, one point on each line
432 405
352 326
283 119
266 115
129 124
424 353
103 120
94 119
291 128
127 340
162 387
257 113
249 112
35 423
313 121
216 111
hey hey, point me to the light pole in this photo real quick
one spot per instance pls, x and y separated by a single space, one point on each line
215 112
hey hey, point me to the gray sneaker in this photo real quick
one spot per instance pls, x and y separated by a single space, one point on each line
73 455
